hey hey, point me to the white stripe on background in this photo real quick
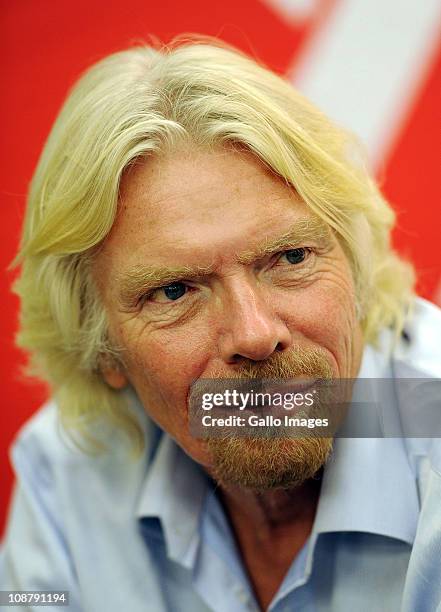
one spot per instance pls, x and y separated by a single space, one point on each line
364 67
294 10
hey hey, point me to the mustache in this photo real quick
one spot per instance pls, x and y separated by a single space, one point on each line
296 363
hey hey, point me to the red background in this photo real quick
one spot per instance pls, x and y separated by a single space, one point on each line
45 45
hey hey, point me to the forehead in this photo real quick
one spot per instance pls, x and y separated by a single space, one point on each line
200 202
211 178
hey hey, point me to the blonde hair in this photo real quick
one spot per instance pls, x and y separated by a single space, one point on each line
136 103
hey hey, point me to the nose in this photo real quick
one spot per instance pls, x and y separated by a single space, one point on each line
251 329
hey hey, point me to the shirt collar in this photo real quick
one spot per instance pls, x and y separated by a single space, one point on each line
173 492
368 484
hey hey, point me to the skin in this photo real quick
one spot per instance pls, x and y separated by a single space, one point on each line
207 208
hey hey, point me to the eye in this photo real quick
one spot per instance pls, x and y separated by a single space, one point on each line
296 256
171 292
174 291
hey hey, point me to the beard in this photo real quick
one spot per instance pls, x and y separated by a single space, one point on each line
263 464
275 461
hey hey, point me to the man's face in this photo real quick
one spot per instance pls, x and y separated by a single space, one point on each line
214 264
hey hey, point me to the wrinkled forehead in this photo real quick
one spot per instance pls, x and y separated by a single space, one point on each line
202 187
188 171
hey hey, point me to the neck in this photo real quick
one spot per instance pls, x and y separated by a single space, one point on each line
270 510
270 528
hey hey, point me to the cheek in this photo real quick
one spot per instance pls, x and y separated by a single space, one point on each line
325 314
161 370
162 365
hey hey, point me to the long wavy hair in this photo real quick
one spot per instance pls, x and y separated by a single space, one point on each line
136 103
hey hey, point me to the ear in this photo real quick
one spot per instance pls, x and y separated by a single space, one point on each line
112 371
115 378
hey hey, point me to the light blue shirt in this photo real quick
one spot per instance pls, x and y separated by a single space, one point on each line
152 535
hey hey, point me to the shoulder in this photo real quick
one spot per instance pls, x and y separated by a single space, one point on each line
40 444
414 363
44 455
420 345
418 357
72 519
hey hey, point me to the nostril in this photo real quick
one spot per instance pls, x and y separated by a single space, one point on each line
239 358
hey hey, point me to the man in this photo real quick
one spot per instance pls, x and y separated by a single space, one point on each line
194 218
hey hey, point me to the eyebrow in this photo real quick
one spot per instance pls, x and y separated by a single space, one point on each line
141 279
311 229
